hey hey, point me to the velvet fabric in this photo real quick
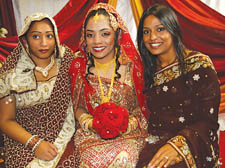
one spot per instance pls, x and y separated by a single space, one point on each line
185 105
203 29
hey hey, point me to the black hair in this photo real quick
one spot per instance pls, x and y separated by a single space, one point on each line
169 20
102 11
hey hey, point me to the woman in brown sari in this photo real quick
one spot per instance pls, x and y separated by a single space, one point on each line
107 72
35 100
183 96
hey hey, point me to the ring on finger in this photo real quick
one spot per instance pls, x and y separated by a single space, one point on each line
166 157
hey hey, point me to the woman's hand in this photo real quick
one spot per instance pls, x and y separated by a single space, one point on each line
46 151
164 157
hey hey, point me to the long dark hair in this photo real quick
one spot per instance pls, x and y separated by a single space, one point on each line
117 46
168 18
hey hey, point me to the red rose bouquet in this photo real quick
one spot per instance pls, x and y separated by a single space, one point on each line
110 120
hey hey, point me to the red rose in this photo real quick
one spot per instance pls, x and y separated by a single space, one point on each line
108 132
109 120
113 117
125 115
98 122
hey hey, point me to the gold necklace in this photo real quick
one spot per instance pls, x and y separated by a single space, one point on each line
106 98
104 67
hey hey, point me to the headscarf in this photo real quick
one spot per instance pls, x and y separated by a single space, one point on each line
38 17
128 52
44 119
12 59
21 50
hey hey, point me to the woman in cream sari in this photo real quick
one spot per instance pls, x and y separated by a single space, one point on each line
35 103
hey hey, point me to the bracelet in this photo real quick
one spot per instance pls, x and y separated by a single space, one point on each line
36 145
29 140
33 142
84 117
132 125
85 123
89 121
84 120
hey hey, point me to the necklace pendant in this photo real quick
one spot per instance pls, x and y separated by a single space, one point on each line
45 73
45 70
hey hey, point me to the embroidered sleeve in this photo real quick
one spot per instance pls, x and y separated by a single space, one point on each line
81 102
4 86
140 119
179 143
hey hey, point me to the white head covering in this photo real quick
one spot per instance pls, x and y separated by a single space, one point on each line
38 17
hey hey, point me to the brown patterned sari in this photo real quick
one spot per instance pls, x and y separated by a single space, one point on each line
184 113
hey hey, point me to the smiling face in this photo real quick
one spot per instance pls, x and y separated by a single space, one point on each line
156 38
100 38
41 39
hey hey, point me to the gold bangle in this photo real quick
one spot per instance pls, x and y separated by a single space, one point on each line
84 121
83 117
133 122
90 120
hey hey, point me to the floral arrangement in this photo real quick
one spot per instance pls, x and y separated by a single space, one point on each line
110 120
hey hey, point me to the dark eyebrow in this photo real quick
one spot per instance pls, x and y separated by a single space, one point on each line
41 32
159 25
154 26
105 29
108 29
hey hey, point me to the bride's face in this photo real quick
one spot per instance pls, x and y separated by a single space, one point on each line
100 38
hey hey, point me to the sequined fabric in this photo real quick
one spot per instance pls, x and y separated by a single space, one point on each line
123 151
187 107
119 152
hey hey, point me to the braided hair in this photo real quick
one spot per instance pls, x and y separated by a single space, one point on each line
116 47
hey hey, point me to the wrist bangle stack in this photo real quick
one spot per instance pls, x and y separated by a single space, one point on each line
87 122
33 142
36 145
29 140
84 120
132 125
